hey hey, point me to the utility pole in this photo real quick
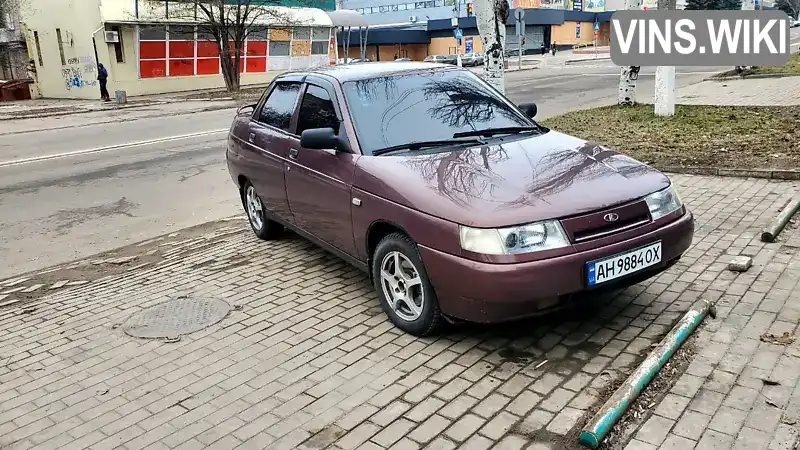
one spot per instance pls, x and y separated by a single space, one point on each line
628 75
457 32
665 95
492 16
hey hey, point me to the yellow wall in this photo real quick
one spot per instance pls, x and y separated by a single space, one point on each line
448 45
565 33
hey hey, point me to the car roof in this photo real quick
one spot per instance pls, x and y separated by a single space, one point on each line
364 71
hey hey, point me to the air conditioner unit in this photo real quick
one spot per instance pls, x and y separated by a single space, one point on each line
412 18
112 36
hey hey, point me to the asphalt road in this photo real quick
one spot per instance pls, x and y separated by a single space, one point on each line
81 189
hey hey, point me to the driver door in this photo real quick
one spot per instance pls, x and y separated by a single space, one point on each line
318 182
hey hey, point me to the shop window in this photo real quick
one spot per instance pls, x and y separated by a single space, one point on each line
301 33
278 48
118 46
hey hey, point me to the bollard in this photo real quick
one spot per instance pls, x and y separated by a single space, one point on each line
601 424
121 96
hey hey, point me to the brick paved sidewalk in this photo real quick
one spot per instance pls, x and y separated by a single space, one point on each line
310 361
743 92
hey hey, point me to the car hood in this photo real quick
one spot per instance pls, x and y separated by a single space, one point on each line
548 176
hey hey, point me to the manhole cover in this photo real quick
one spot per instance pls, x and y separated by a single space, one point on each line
176 318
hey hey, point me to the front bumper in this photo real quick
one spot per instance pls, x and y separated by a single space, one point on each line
483 292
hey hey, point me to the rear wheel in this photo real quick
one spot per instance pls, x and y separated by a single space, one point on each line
263 227
402 283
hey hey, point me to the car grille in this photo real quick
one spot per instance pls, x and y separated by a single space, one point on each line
599 224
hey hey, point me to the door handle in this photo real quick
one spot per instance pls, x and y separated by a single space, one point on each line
293 153
252 138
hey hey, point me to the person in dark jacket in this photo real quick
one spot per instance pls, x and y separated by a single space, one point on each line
102 77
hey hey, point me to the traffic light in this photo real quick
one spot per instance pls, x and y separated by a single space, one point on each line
469 9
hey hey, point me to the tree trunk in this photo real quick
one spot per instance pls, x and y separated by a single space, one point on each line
230 70
492 28
665 95
628 75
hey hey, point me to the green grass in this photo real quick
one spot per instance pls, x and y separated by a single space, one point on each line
713 136
792 67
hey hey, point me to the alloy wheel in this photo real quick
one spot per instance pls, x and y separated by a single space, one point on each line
402 286
255 210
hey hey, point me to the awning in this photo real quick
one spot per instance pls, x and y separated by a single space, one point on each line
346 18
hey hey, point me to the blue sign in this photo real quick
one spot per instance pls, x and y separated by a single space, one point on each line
468 45
577 30
459 33
597 26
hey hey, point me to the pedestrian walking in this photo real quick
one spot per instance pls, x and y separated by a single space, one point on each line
544 48
102 77
553 48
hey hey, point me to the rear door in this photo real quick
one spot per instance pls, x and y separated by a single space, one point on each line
269 140
318 182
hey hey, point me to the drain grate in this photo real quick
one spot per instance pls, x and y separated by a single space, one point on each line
176 318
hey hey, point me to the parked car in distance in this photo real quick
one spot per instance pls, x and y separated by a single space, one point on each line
472 59
455 201
441 59
795 23
352 60
402 60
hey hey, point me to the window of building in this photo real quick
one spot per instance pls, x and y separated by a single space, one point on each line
256 50
207 53
38 48
317 111
152 51
320 41
60 47
181 46
278 109
301 33
278 48
118 47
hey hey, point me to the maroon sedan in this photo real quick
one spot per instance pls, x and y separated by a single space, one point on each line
454 200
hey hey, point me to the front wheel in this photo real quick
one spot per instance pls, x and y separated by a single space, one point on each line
402 283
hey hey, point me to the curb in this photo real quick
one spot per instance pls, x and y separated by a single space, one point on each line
600 58
770 174
81 111
770 233
755 75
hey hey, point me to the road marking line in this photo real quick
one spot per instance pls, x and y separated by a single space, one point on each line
16 162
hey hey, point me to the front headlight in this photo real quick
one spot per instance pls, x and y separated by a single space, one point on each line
663 202
533 237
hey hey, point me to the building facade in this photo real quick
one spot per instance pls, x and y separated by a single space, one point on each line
395 25
155 46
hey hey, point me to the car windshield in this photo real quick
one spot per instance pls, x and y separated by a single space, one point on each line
425 106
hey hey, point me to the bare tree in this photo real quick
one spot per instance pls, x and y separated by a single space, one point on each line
492 16
230 22
790 7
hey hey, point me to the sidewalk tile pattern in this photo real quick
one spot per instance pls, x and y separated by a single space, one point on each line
309 361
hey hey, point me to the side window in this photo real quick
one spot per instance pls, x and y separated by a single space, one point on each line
317 111
278 109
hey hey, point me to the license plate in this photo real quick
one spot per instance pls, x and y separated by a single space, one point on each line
623 264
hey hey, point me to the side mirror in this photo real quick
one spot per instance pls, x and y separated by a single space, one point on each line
323 139
245 107
529 109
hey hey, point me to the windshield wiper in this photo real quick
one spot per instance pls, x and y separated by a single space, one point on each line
425 144
493 131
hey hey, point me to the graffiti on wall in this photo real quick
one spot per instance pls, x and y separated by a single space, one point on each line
79 72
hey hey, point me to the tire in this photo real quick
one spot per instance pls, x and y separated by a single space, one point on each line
425 317
263 227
